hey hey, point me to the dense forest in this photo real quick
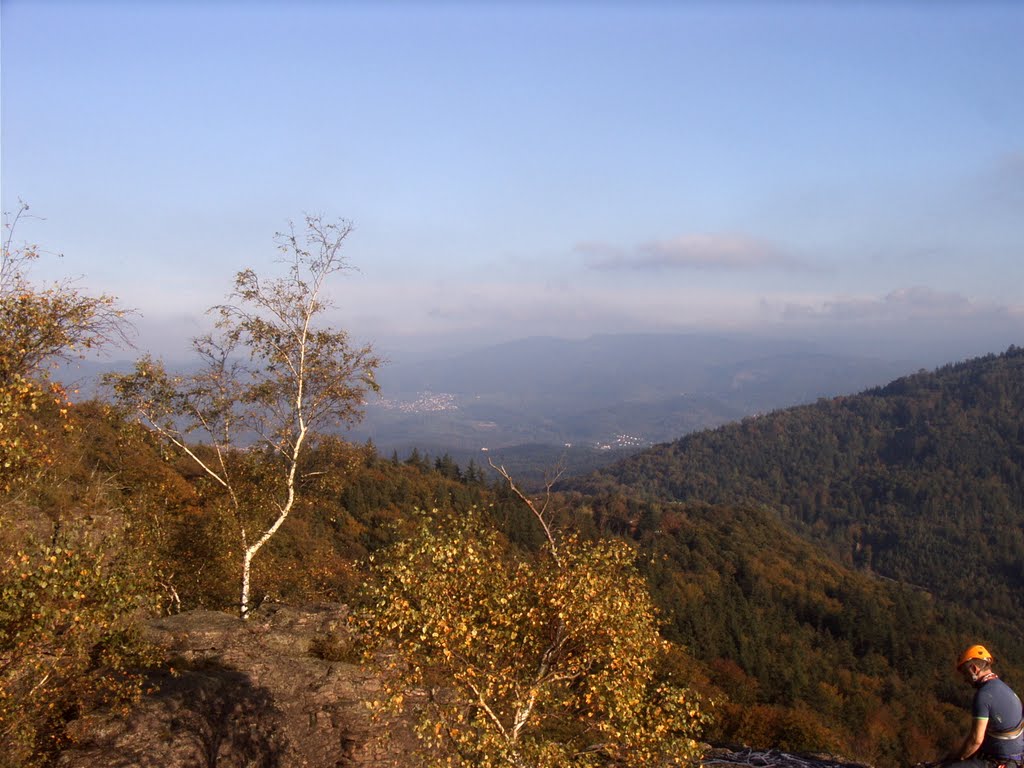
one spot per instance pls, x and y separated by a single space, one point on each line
808 552
903 480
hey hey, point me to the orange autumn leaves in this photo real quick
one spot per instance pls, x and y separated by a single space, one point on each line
513 660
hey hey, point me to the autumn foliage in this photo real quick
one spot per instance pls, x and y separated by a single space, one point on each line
37 326
68 646
68 643
512 660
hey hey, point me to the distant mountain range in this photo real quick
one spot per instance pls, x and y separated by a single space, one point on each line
610 391
600 395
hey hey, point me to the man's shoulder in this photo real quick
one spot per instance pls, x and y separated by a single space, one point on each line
992 684
1002 685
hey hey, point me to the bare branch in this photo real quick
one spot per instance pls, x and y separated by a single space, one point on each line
482 702
540 514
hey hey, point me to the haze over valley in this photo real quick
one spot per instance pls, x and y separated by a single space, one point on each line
607 393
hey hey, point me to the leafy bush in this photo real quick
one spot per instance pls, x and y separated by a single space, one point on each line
509 661
68 646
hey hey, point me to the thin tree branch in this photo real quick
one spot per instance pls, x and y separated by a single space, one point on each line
537 513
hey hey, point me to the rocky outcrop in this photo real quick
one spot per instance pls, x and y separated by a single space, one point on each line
277 691
736 757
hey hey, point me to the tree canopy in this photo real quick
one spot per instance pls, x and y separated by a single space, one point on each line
512 660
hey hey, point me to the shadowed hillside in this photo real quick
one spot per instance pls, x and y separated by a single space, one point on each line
903 480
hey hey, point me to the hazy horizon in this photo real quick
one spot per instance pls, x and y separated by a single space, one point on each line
847 175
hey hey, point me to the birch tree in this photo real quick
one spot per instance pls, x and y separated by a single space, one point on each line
271 377
505 660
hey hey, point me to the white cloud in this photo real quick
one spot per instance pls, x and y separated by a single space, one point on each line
728 252
917 303
415 315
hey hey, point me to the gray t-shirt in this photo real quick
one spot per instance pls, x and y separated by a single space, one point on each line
996 702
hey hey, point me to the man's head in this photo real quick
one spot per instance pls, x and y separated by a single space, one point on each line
974 662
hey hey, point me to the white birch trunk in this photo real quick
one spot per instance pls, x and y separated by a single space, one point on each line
250 552
246 570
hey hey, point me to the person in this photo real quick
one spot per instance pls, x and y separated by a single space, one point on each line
996 738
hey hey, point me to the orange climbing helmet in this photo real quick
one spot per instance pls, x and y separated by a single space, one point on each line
974 653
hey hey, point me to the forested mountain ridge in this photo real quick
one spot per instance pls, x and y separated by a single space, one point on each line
905 480
804 652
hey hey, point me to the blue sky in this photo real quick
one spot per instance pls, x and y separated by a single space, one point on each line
847 172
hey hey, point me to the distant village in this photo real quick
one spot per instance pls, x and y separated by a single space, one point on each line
425 402
440 402
623 441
